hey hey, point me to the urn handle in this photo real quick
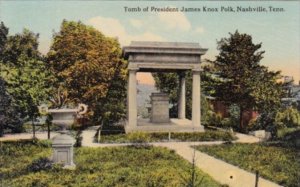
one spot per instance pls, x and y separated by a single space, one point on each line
82 109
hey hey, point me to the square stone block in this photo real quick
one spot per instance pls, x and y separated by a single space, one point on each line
160 108
63 150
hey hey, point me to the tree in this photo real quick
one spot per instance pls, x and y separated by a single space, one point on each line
8 116
3 37
29 81
242 80
89 69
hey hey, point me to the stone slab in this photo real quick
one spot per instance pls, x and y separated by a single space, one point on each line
159 108
175 125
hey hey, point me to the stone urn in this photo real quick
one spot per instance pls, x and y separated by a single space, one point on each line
62 144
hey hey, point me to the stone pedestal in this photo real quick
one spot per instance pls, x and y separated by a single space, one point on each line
62 145
160 108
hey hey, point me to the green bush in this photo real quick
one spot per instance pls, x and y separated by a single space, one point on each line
140 137
40 165
215 119
290 117
283 133
78 139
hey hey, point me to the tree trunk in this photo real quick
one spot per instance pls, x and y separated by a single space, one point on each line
1 131
241 120
33 128
48 129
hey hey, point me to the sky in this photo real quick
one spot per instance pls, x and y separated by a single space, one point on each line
278 31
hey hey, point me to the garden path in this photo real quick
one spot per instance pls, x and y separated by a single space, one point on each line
25 136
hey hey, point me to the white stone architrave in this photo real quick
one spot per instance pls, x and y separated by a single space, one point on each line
165 57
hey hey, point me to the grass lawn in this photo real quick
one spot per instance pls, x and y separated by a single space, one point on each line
117 166
164 136
274 161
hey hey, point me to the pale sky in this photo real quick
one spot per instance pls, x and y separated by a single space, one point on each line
278 31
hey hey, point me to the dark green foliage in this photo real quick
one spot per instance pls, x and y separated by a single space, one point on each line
164 136
78 138
40 164
21 47
276 162
273 121
241 78
108 129
115 166
8 116
3 38
28 79
289 136
207 112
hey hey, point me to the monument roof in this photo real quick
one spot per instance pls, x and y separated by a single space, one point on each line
165 44
163 48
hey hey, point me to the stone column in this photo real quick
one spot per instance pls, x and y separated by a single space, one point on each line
182 95
196 111
132 104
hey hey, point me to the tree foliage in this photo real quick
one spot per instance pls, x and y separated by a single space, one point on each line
3 37
8 116
242 80
27 77
289 117
21 47
89 69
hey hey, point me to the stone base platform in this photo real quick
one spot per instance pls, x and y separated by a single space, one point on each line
175 125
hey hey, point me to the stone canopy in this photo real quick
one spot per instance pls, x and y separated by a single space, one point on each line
167 56
164 57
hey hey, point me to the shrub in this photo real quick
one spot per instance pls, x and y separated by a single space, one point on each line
226 122
285 132
290 117
78 139
40 165
215 119
139 137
